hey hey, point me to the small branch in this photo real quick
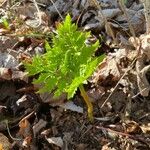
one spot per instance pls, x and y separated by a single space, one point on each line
8 130
137 138
114 89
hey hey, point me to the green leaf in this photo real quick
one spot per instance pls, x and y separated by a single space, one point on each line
36 66
68 61
5 23
47 46
49 84
74 85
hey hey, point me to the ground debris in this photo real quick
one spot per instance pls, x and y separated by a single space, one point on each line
120 83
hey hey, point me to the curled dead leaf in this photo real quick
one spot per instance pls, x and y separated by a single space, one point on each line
25 128
56 140
145 128
132 127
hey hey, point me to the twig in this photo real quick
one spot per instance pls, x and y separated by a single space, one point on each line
108 27
121 3
3 3
28 116
138 47
31 35
107 99
8 130
129 68
143 90
57 10
142 140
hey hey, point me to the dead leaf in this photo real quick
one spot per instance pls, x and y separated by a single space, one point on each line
22 99
145 44
111 13
4 142
132 127
25 57
7 89
25 128
27 141
5 73
96 93
45 2
81 146
141 68
49 98
16 74
145 128
8 61
6 43
4 31
27 10
38 126
71 106
110 70
56 140
1 146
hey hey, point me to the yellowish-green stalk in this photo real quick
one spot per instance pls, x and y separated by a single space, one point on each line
87 101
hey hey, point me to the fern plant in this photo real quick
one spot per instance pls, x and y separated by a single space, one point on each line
67 63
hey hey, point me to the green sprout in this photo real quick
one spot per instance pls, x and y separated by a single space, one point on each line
67 64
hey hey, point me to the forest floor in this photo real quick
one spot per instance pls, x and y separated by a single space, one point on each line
119 88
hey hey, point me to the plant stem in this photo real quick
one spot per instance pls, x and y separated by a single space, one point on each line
87 101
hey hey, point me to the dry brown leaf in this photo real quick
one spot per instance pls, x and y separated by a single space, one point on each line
7 61
71 106
45 2
108 68
4 142
5 73
141 68
27 89
56 140
4 31
1 146
20 75
132 127
49 98
27 10
25 57
145 128
38 126
81 146
111 13
145 44
27 141
96 93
